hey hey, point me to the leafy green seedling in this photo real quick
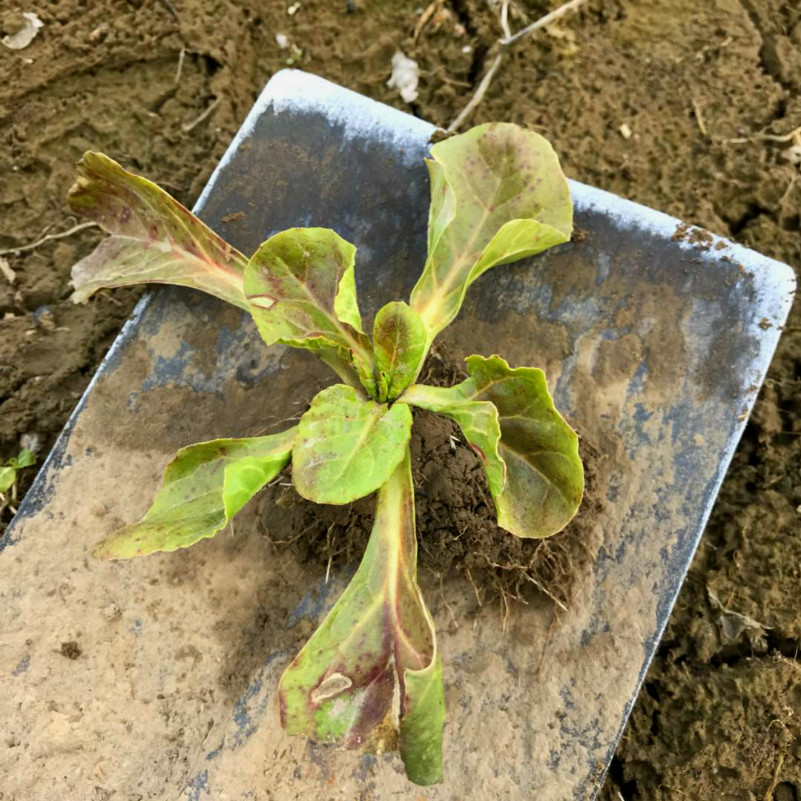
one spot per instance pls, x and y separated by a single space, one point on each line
9 473
372 671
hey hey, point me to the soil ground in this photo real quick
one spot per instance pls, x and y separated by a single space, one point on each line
707 93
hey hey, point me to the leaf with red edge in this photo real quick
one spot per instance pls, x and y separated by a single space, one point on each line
372 671
529 453
302 293
154 238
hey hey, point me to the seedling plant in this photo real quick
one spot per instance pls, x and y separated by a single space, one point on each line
497 195
9 476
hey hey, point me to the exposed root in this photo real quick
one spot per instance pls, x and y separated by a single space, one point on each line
456 526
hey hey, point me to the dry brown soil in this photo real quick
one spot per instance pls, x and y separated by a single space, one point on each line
707 89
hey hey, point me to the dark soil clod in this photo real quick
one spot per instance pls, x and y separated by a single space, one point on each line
456 526
70 649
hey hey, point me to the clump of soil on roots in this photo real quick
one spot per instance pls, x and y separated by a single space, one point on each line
456 526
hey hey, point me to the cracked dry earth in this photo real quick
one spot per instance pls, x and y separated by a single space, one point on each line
709 92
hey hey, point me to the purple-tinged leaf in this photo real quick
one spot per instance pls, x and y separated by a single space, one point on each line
372 667
302 293
154 238
497 195
399 342
529 453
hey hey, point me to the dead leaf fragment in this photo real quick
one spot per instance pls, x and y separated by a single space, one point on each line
26 34
793 154
733 625
5 268
405 76
31 442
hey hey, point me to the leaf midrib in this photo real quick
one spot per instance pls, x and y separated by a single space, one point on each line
442 290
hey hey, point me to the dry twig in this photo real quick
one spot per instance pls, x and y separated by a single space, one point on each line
776 773
478 96
543 21
9 274
508 40
766 137
171 10
699 117
47 238
180 68
425 17
507 31
191 125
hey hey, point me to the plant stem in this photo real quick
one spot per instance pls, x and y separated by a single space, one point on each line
343 370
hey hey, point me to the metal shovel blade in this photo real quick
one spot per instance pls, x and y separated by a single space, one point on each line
655 339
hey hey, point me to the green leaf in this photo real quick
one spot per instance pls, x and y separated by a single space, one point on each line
478 419
154 238
301 288
497 195
530 454
205 485
347 445
399 342
421 725
25 458
372 666
346 304
8 477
